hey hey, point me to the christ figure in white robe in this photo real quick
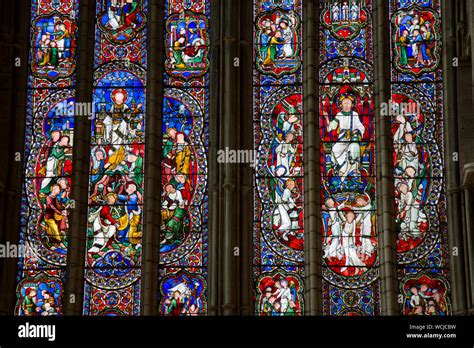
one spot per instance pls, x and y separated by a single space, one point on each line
346 151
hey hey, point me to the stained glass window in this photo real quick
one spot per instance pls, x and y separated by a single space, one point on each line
116 185
278 137
50 118
184 205
417 129
350 260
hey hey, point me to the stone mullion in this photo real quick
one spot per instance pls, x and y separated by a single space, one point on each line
455 238
470 15
470 240
74 281
312 175
468 189
14 33
384 163
230 176
153 151
214 170
245 55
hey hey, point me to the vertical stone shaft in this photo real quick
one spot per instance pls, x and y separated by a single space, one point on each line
247 179
469 240
229 130
74 282
456 259
153 151
312 175
14 43
215 80
384 164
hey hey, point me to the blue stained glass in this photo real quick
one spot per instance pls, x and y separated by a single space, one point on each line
116 184
184 206
49 137
278 133
417 130
350 258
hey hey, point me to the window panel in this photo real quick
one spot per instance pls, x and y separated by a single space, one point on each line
278 140
184 162
417 130
348 176
116 174
46 196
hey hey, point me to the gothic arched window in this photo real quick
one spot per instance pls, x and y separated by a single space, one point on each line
364 158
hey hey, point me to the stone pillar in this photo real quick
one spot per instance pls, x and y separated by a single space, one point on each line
245 54
470 55
229 131
468 188
384 150
312 175
153 151
74 282
458 293
470 15
465 129
214 168
14 43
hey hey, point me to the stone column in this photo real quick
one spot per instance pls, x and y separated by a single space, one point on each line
468 188
312 175
470 54
458 293
245 54
214 168
464 128
153 151
470 15
14 43
74 282
229 130
384 150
